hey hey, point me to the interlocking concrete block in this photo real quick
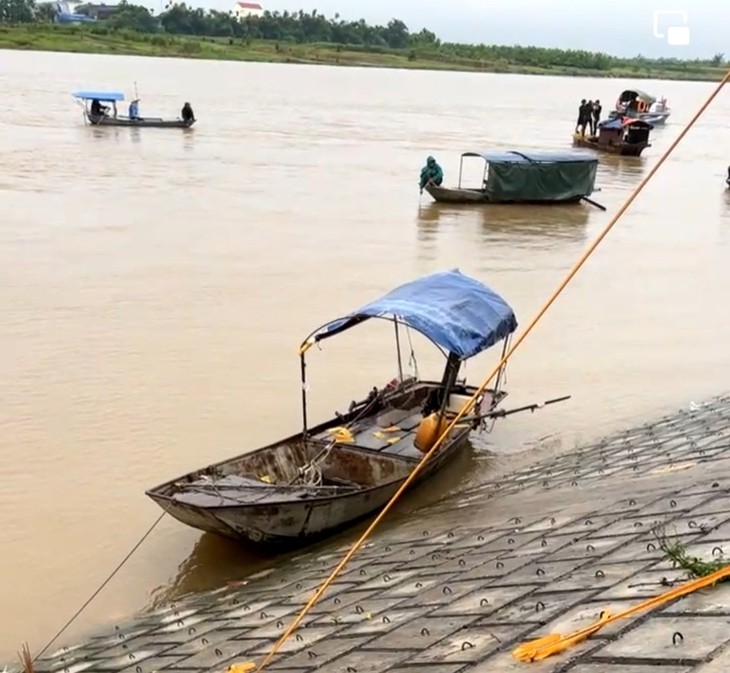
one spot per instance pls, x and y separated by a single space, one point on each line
644 584
221 655
713 600
471 644
422 632
485 600
382 623
504 662
539 573
317 655
681 638
57 667
445 593
702 523
597 575
386 579
494 568
535 608
719 664
581 550
623 668
366 661
151 665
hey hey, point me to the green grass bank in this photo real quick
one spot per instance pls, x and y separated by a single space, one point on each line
102 40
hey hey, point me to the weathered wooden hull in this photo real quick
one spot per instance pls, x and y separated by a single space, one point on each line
622 149
139 123
477 196
359 480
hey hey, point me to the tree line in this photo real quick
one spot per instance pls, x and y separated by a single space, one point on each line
315 28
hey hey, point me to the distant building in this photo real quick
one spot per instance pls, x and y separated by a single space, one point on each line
97 11
241 10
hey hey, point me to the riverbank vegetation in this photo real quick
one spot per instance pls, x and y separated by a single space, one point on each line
302 37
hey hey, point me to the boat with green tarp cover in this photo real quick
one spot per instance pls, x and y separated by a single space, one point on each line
530 176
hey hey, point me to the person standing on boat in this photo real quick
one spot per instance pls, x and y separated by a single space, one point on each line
134 109
187 113
431 173
597 109
589 117
584 116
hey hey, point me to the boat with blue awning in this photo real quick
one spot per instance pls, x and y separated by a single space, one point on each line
100 109
529 176
331 475
641 105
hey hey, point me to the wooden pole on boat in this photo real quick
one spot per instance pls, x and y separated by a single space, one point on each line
593 203
467 408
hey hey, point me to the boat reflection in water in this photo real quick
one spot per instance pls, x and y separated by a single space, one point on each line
519 225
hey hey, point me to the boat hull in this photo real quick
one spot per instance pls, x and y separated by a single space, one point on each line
139 123
622 149
293 517
477 196
293 525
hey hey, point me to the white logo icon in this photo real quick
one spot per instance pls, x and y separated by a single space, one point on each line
676 36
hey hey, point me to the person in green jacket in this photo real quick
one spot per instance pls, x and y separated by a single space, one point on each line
431 172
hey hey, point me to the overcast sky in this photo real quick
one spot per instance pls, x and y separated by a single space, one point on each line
621 27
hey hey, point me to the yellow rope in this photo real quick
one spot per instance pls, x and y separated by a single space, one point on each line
536 650
250 666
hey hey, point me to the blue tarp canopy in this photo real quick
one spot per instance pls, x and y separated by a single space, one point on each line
534 156
103 96
458 313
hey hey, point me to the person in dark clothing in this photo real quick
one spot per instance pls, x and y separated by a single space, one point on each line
431 173
584 116
97 109
597 109
728 176
581 107
187 113
589 117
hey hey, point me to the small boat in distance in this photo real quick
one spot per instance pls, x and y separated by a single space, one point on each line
532 176
638 104
621 135
97 113
327 477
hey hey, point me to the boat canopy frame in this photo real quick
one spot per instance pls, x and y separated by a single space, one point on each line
531 157
637 93
83 98
459 315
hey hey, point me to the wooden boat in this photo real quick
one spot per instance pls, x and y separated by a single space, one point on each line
111 116
525 177
638 104
327 477
622 135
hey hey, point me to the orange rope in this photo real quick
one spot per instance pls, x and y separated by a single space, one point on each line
542 648
240 668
